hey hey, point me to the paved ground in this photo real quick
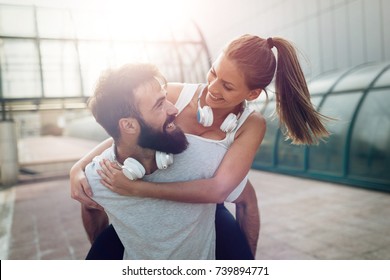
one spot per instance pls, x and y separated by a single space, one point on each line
301 219
46 223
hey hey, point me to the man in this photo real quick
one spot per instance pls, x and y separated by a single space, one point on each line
131 105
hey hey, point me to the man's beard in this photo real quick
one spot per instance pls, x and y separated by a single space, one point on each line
173 142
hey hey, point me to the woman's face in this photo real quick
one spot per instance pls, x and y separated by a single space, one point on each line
226 84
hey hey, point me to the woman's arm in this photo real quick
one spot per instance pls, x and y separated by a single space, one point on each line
79 187
232 170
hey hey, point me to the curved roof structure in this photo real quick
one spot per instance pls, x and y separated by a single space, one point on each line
358 151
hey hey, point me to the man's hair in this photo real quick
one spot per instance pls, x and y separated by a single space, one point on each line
113 97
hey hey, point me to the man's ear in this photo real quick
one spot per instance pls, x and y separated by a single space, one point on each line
253 94
128 125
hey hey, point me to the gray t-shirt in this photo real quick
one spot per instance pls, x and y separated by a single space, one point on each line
161 229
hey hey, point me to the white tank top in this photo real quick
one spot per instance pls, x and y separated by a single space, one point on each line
184 99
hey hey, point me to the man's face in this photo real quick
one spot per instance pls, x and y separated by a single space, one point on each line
158 130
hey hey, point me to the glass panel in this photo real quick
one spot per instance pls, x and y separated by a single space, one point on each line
328 157
23 26
54 23
316 100
104 39
128 25
289 155
323 83
193 60
91 25
61 75
185 31
370 145
166 57
94 58
187 52
360 78
20 69
384 79
265 154
293 156
162 54
125 52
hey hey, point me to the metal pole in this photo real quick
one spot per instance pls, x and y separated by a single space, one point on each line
38 45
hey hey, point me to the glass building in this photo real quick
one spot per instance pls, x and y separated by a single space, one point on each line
50 59
358 150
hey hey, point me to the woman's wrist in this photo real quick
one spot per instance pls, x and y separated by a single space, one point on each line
140 188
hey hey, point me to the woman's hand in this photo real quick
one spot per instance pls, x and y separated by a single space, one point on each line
114 179
80 190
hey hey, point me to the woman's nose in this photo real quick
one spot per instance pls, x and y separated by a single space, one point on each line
212 87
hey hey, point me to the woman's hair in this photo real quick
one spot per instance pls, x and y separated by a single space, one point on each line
255 59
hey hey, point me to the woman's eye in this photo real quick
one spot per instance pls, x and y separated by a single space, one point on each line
227 87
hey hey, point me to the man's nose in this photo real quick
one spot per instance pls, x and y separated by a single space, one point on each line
172 110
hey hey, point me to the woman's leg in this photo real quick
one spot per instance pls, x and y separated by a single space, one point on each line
107 246
231 243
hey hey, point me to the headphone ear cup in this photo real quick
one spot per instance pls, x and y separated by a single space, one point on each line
230 123
163 160
205 116
133 169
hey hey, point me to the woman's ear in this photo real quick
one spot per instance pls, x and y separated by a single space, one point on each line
253 94
128 125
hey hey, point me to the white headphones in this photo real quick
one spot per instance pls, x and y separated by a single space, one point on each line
205 117
134 170
163 160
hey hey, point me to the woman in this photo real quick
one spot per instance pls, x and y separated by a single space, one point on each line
219 113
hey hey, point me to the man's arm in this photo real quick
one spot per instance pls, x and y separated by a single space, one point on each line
94 221
248 216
